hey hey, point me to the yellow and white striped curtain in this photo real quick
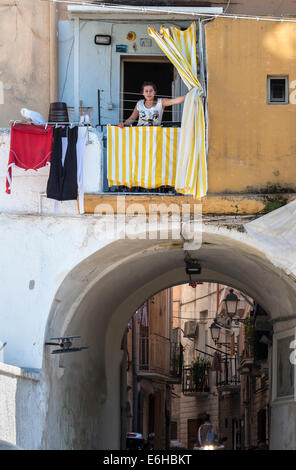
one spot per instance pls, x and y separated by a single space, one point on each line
142 156
191 171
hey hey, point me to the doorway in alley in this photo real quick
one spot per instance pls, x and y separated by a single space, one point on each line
135 71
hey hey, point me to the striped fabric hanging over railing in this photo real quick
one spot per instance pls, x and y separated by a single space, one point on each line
191 171
142 156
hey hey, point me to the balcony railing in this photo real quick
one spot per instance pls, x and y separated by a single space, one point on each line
196 380
159 355
229 375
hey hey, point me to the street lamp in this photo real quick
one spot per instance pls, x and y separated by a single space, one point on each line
215 332
231 302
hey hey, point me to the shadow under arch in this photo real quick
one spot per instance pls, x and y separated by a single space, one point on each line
96 300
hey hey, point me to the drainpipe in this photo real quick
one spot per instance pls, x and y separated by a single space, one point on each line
203 60
53 53
123 392
218 298
135 377
76 69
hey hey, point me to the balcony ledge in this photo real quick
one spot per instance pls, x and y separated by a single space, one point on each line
214 204
229 388
196 394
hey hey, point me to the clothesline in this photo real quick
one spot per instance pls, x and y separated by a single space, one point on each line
140 94
35 146
133 101
72 123
131 109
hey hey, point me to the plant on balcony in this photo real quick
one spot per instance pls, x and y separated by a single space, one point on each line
200 374
250 333
177 360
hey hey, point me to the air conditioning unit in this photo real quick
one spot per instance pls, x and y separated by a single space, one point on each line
191 329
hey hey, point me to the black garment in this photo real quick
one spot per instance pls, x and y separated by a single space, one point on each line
62 181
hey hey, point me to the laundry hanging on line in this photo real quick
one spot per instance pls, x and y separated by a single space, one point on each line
30 149
33 147
62 182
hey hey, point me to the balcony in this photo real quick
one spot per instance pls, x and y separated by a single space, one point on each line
228 379
159 358
29 187
196 381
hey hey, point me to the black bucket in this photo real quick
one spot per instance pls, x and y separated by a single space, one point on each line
58 112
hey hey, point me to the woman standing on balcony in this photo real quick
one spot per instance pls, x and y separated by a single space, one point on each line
149 110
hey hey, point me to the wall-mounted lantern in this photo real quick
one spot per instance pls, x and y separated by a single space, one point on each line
231 302
215 332
102 39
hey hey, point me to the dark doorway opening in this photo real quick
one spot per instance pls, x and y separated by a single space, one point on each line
137 71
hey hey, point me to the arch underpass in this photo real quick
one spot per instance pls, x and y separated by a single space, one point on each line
96 301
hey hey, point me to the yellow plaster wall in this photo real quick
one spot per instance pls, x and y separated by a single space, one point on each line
252 145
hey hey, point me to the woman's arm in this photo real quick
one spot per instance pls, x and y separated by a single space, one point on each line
172 101
133 117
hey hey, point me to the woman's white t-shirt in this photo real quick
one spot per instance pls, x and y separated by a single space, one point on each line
149 116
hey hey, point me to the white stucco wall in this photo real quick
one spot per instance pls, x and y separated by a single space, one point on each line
23 266
39 249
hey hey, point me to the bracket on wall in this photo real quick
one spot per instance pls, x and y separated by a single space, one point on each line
192 267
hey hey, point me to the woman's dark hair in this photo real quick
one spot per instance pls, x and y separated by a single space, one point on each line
148 84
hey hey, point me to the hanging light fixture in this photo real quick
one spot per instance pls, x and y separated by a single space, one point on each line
231 302
215 331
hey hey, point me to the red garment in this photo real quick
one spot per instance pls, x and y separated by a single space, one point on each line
30 148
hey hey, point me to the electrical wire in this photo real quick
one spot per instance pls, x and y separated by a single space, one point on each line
69 57
67 69
140 94
131 9
196 319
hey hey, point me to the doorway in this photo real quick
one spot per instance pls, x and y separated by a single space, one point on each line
135 71
192 431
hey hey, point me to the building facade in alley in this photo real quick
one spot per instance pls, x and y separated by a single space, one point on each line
216 380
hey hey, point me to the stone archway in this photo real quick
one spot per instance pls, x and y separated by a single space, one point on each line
98 297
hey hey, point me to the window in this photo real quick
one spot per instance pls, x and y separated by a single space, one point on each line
277 89
284 371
